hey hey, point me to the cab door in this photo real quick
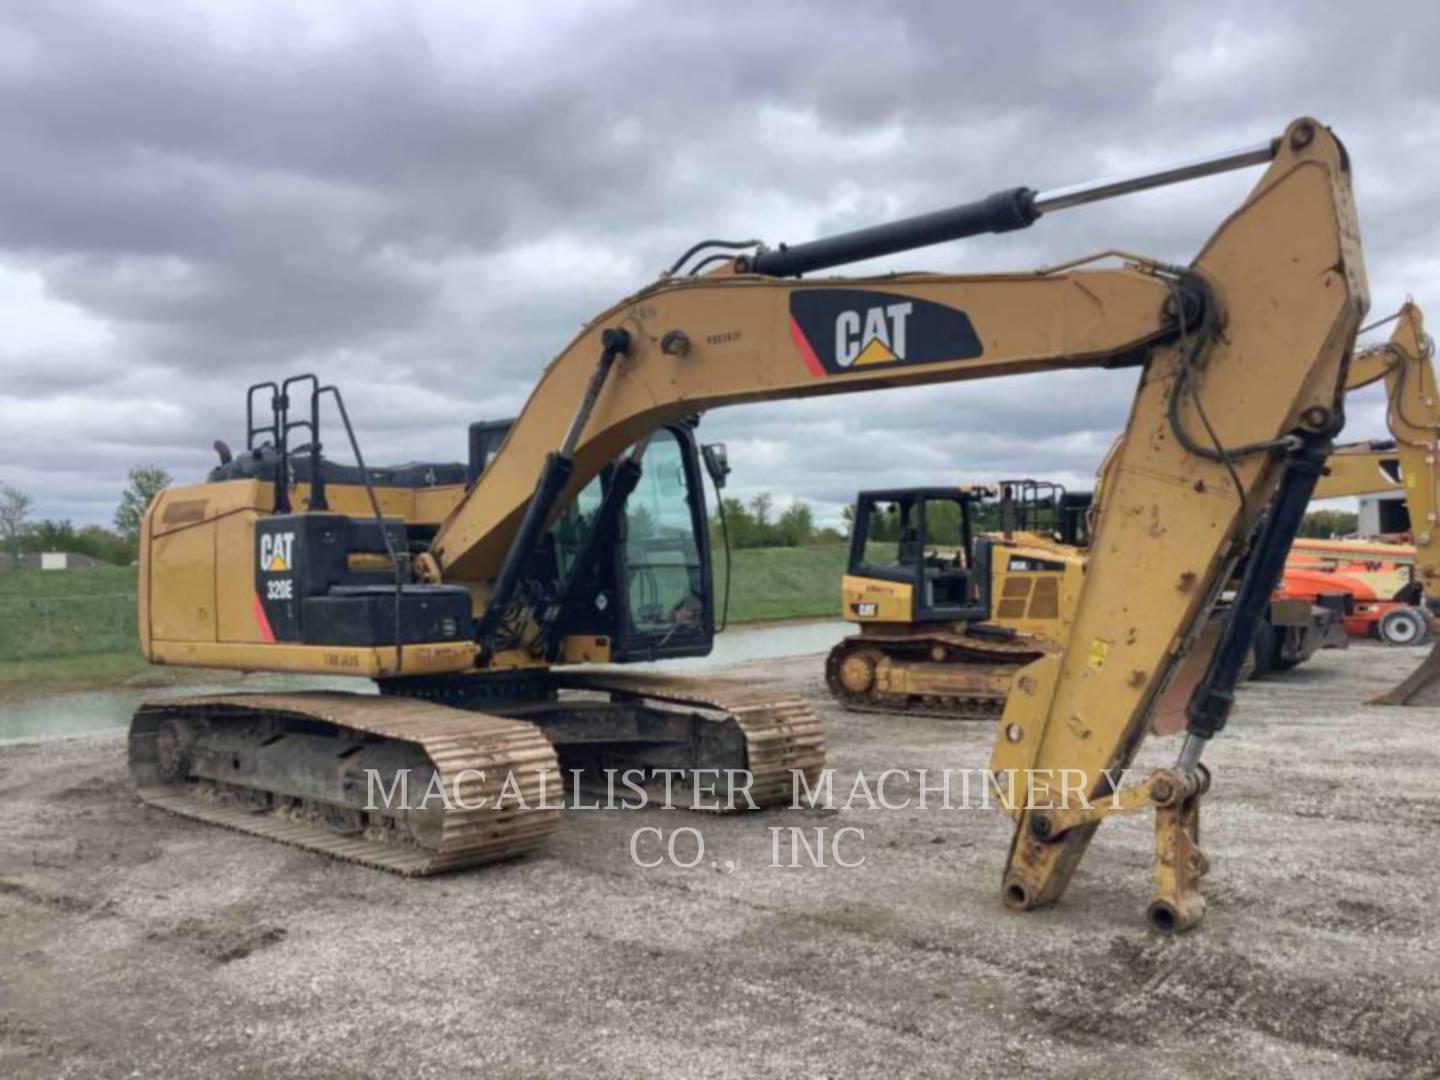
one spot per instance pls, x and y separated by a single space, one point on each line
663 556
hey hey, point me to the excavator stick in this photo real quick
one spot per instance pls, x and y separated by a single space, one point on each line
1200 465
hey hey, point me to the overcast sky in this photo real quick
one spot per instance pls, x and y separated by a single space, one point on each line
423 201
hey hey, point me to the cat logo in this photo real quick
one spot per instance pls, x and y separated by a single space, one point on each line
275 550
837 331
877 338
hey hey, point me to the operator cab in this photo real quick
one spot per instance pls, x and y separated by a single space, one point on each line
630 566
924 538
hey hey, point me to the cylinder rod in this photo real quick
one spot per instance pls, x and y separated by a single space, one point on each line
1080 194
1004 211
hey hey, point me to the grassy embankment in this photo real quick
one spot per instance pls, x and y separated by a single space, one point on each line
782 583
72 628
75 629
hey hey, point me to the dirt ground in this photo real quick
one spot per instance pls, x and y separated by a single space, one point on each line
133 943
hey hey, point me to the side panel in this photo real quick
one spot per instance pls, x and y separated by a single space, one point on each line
371 663
235 583
182 600
868 600
1030 597
197 585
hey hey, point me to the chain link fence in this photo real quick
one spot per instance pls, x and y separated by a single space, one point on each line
34 627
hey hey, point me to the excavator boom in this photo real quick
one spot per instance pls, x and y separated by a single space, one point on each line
736 339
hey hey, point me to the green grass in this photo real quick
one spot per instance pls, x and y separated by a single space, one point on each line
782 583
22 679
65 613
97 669
15 584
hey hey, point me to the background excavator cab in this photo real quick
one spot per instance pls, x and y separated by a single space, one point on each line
923 539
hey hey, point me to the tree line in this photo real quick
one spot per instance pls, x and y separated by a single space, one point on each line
756 524
119 545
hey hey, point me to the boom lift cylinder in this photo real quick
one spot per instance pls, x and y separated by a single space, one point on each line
1003 211
553 478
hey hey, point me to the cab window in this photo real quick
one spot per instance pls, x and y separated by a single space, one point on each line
892 535
574 525
662 558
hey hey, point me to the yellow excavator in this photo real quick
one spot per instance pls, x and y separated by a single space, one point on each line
1408 462
581 538
947 615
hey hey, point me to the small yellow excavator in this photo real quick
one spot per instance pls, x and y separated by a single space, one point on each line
579 537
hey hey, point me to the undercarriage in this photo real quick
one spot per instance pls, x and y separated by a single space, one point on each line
405 783
952 674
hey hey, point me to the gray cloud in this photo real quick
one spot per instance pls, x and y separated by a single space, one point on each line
423 202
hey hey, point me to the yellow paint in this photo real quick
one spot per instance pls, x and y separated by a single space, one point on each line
1099 650
372 663
875 352
892 601
1036 603
584 649
197 584
185 607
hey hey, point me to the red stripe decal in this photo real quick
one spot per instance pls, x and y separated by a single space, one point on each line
266 634
806 352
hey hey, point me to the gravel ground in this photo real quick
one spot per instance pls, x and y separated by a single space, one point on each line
136 943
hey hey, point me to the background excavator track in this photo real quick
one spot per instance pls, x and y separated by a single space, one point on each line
971 682
178 750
